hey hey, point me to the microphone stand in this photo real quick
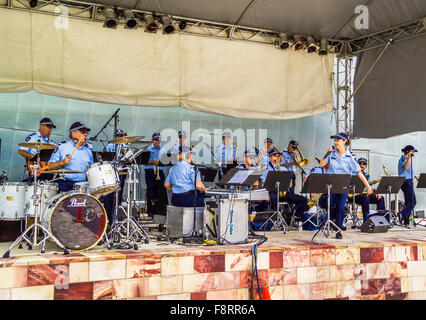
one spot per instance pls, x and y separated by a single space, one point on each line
115 116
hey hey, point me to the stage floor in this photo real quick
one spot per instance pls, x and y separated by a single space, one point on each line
389 265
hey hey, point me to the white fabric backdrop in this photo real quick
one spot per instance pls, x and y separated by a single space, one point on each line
132 67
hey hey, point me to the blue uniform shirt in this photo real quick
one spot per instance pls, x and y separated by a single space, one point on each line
181 177
407 174
315 170
81 159
156 154
114 147
287 158
344 165
265 160
224 154
35 137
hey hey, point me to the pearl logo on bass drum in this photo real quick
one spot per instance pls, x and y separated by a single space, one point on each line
75 203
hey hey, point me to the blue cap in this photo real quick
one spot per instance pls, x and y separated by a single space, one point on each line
119 132
268 140
274 152
47 122
79 126
182 134
341 135
408 149
293 144
156 136
362 160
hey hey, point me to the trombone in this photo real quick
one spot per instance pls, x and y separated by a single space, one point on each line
299 158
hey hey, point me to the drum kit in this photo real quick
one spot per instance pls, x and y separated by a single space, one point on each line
76 220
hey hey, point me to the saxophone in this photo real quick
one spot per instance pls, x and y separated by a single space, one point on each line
313 201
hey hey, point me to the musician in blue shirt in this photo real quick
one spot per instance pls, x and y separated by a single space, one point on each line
225 153
181 143
114 147
154 174
43 136
341 161
181 179
288 159
300 202
79 161
263 158
405 169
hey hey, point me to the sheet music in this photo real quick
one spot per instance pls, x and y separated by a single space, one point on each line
240 177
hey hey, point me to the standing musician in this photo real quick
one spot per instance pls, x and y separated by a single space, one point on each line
365 200
224 154
288 160
154 173
74 154
405 169
181 143
180 181
264 156
113 147
340 161
300 202
42 135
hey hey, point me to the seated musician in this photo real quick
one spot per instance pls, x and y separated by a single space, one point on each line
43 136
300 202
75 155
365 200
180 181
288 160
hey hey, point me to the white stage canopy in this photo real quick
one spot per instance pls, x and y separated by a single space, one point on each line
132 67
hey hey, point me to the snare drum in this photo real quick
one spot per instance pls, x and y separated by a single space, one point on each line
81 187
103 178
48 190
77 220
12 200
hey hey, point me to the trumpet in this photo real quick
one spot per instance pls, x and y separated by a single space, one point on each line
157 172
299 158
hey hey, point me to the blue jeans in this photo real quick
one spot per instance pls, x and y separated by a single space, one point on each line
409 198
337 207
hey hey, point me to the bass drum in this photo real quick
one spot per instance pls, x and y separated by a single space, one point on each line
77 220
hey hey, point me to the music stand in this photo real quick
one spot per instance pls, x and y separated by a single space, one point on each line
421 184
329 183
278 181
391 185
103 156
306 188
208 174
355 185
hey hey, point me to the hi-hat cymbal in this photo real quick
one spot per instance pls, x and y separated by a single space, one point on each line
64 171
38 145
126 139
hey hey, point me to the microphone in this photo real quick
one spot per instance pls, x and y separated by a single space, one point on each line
329 152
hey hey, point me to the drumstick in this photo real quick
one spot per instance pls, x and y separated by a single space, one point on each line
79 140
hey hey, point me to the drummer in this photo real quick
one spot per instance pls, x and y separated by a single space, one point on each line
80 159
42 135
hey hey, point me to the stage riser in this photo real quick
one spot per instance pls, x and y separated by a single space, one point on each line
326 272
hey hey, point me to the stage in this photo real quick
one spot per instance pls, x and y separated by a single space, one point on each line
360 266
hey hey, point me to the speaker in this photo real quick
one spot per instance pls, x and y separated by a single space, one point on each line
375 224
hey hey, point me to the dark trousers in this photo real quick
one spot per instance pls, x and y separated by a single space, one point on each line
109 200
365 200
187 199
409 198
337 207
65 185
300 202
154 189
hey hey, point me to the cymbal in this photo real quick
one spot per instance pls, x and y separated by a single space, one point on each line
38 145
142 143
61 171
126 139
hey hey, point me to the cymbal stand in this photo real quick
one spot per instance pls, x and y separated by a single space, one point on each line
37 217
129 228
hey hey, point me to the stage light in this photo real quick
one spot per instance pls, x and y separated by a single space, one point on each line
283 42
182 25
168 26
312 46
323 46
151 24
110 18
298 43
33 3
131 22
